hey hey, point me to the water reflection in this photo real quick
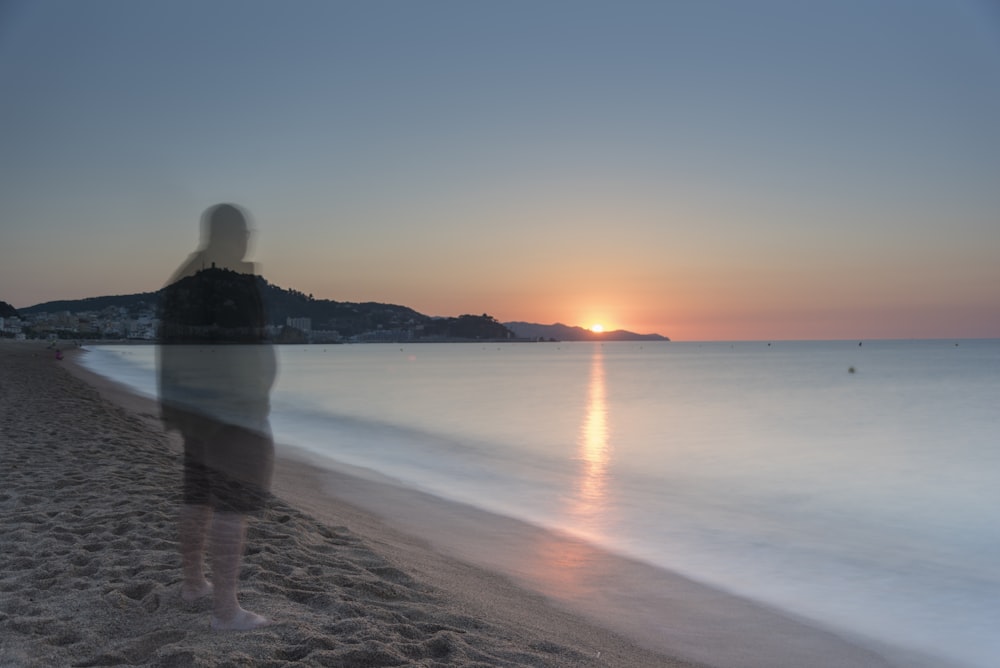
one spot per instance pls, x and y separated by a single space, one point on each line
590 499
562 564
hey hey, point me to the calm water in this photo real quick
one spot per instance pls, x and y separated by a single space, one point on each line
867 500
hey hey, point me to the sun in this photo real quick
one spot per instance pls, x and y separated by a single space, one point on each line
597 328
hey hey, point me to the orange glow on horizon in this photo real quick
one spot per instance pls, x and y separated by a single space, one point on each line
698 310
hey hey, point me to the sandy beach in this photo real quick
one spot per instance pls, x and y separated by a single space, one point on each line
90 573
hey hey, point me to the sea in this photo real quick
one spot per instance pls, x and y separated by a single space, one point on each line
852 483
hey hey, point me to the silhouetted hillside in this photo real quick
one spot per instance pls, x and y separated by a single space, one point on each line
7 311
132 303
561 332
467 327
349 319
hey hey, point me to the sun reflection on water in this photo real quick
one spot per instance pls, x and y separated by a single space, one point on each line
589 501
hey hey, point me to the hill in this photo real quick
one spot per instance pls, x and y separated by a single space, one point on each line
561 332
7 311
131 303
372 320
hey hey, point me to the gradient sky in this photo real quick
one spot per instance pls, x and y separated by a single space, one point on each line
704 170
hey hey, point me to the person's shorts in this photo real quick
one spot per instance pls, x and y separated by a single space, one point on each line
227 467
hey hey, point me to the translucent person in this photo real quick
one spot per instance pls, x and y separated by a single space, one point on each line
215 376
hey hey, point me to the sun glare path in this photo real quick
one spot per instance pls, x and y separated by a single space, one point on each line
594 454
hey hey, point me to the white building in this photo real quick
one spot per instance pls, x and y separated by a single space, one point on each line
304 324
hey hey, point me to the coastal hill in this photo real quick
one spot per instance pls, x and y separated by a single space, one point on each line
368 321
7 311
561 332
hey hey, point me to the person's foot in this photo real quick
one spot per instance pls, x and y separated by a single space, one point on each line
192 592
243 620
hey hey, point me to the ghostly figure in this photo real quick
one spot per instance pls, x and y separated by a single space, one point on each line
216 370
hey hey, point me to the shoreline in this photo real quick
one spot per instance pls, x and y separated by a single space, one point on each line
658 610
89 493
515 576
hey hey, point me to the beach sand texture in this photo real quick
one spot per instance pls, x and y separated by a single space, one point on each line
90 573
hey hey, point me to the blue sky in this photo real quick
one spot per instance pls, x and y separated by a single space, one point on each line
707 170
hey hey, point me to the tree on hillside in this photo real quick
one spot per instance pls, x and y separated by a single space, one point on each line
468 327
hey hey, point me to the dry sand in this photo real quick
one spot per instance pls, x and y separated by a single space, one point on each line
89 572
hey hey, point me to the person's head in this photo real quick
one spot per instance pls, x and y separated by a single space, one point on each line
224 230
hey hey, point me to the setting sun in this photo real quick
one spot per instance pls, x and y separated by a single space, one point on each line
597 328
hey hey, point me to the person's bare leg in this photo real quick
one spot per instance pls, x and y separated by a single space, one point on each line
226 549
193 528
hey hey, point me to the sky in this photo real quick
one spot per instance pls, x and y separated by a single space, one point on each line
705 170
